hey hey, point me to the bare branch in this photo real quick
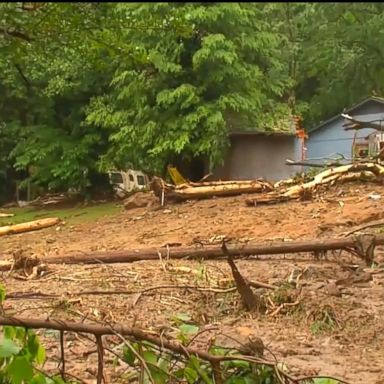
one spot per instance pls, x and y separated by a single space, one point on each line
13 33
353 124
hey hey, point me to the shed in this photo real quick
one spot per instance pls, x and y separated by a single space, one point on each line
330 140
253 155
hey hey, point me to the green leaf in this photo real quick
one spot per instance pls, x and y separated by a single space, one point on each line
2 293
9 332
150 357
191 375
41 355
128 356
20 370
325 381
189 329
8 348
32 344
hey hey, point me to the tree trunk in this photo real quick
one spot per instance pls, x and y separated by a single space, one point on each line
29 226
211 252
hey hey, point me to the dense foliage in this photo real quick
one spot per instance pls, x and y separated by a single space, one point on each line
90 86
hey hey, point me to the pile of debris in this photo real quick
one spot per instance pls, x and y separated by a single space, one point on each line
267 193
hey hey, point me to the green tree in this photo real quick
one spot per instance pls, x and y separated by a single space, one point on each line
51 69
342 56
189 74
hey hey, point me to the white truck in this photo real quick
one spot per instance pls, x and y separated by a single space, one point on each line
126 182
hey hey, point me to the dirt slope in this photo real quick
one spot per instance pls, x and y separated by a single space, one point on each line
350 346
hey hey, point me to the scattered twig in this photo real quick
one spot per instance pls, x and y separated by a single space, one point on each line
282 306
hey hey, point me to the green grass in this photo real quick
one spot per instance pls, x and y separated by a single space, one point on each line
69 215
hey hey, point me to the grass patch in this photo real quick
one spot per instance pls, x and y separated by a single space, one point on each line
74 215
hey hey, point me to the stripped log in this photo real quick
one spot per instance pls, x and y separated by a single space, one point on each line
211 252
28 226
208 189
3 215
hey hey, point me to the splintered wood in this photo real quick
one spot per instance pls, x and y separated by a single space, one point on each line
344 173
266 192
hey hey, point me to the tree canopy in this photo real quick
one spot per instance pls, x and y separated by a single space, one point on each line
86 87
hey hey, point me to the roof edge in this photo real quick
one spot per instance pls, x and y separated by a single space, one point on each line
349 110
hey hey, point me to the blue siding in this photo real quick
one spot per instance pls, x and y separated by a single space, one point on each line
332 138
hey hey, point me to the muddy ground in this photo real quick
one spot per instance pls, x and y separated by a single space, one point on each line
326 332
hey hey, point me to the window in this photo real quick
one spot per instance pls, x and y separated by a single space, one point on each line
116 178
140 180
131 178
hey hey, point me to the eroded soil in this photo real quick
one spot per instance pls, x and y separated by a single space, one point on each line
351 346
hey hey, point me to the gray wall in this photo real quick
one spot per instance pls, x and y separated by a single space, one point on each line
332 138
255 156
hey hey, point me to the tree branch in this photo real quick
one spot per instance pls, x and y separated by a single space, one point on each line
354 124
140 335
13 33
22 75
100 363
62 357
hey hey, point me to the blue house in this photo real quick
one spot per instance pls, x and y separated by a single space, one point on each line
330 140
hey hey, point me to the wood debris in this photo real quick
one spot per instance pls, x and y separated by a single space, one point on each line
6 215
28 226
205 190
304 191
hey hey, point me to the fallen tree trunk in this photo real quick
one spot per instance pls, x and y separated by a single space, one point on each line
29 226
6 215
212 252
207 190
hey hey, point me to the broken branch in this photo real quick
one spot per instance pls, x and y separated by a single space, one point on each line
353 124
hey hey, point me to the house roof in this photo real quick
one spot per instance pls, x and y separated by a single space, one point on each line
260 133
351 109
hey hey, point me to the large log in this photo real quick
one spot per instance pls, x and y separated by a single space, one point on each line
6 215
211 252
200 192
28 226
209 189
